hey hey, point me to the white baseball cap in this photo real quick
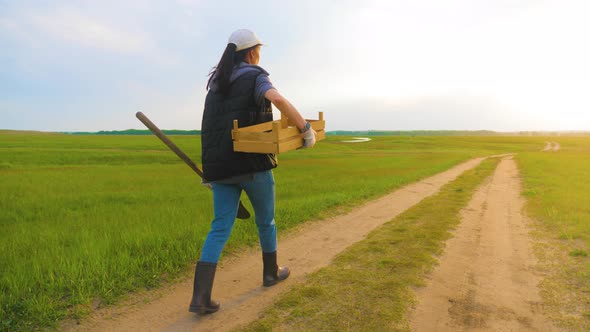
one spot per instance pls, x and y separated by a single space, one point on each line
244 39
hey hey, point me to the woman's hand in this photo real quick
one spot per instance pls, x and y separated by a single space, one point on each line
309 138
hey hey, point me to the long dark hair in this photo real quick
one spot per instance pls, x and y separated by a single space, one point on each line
222 72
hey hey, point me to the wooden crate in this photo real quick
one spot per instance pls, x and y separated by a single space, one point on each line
274 136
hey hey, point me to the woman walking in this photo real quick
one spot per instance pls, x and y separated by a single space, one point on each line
238 89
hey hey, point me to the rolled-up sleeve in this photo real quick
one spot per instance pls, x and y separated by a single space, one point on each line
263 84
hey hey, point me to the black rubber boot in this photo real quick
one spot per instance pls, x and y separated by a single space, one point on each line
272 273
201 302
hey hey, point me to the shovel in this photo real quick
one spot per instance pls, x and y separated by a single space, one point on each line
242 212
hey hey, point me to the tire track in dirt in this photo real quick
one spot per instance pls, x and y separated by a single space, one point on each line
238 279
486 279
548 147
551 146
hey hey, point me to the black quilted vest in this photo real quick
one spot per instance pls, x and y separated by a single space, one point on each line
218 158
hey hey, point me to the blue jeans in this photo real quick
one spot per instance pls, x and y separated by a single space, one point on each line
226 197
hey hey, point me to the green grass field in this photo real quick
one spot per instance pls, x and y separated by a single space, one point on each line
557 189
348 295
87 219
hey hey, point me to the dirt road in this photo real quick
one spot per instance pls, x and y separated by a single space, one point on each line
551 146
486 279
238 281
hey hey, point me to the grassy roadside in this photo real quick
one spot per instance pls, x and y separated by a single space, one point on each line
368 287
556 186
86 220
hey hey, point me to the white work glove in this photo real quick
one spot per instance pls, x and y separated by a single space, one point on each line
208 185
309 138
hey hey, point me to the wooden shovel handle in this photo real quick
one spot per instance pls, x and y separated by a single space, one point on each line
242 212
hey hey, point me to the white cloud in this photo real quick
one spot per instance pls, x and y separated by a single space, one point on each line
527 56
72 26
101 29
510 64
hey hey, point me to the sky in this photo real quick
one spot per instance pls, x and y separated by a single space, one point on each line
503 65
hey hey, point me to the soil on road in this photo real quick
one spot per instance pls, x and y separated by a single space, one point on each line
486 279
238 280
551 146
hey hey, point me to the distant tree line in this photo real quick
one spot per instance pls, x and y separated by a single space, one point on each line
455 133
356 133
414 133
137 132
